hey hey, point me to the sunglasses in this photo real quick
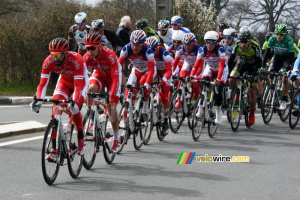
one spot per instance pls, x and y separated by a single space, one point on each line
280 34
228 37
96 29
188 44
162 29
210 42
177 41
59 55
79 24
244 41
90 48
174 24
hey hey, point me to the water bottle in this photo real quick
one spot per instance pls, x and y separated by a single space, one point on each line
67 131
102 118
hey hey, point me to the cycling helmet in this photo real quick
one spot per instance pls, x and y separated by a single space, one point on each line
163 24
245 37
80 18
245 29
223 26
92 39
58 45
138 36
177 35
268 35
281 29
211 35
229 31
176 20
97 23
189 38
152 42
141 23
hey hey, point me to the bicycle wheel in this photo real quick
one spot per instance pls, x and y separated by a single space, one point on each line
107 140
139 128
191 108
294 113
175 115
197 131
159 120
212 126
50 168
124 128
246 110
74 160
234 113
267 107
284 114
90 141
149 123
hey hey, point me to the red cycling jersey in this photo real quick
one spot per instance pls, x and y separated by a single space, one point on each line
107 71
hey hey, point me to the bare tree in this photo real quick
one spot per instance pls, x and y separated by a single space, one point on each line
217 4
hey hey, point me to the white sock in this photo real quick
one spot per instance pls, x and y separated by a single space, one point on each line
116 135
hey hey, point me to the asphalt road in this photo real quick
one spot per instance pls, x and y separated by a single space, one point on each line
152 173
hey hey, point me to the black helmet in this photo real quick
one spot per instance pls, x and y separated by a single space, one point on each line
245 36
268 35
141 23
223 26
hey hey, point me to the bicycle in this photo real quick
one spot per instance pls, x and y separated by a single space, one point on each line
97 130
136 124
271 99
205 101
57 147
240 102
177 116
294 111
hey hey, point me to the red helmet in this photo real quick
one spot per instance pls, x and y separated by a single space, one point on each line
92 39
58 45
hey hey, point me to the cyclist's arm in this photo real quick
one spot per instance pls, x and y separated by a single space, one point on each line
151 65
296 67
79 82
123 56
168 64
222 61
116 74
177 57
45 77
71 38
266 56
232 57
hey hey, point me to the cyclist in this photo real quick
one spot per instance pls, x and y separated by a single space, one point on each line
143 65
222 27
264 47
250 60
142 24
228 41
294 75
187 53
216 67
164 63
177 38
283 46
107 72
176 22
164 32
73 77
77 32
245 29
109 38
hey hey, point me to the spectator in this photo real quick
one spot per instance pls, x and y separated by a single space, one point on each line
123 31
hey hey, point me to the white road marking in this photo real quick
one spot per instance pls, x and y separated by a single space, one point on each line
21 141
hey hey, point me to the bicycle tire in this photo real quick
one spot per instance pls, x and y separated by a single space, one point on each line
125 130
138 135
284 114
107 141
159 123
195 132
49 177
293 109
246 111
175 121
149 123
74 160
234 114
191 109
212 126
267 110
90 141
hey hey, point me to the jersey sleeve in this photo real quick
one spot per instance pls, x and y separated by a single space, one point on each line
115 72
151 64
45 77
79 81
222 61
168 63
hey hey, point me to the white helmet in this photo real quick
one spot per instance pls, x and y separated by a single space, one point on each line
163 24
80 18
138 36
152 42
97 23
176 20
244 29
211 35
177 35
189 38
229 31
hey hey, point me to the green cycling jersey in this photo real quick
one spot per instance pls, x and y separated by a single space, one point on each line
283 47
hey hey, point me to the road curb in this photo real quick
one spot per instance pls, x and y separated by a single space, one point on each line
22 132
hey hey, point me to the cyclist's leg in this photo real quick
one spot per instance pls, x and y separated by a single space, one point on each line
96 84
237 71
142 81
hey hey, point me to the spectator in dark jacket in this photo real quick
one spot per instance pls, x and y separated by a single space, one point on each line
124 29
